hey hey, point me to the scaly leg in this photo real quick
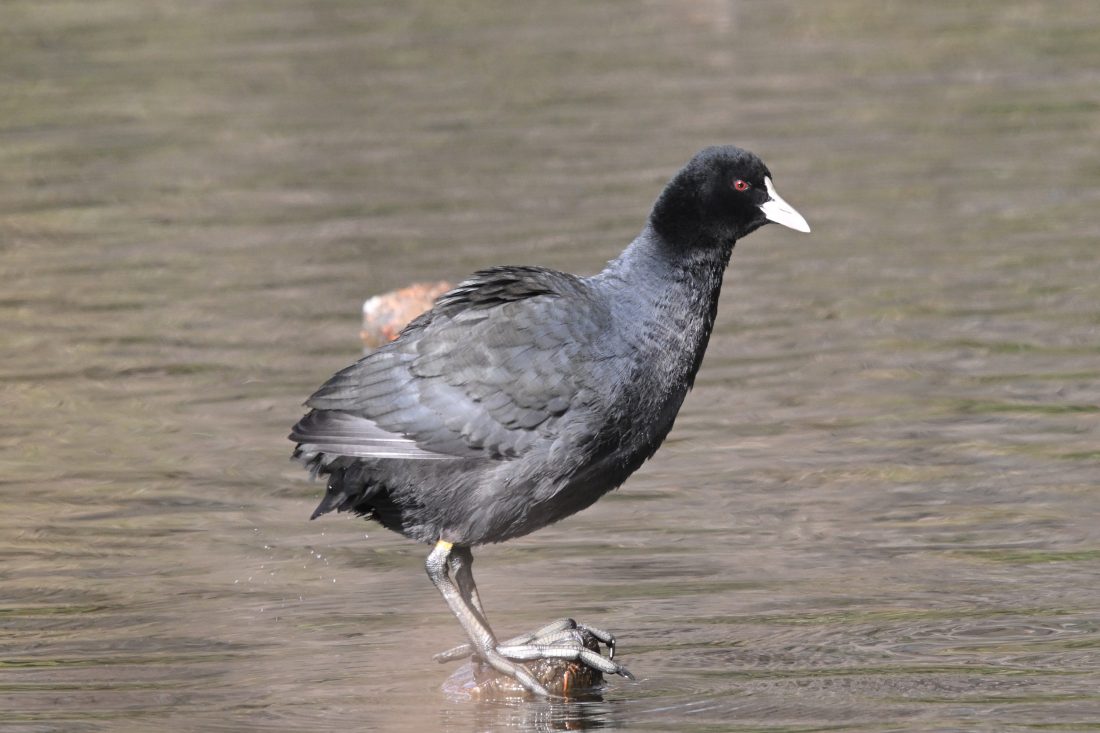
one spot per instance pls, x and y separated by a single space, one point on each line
482 639
560 640
461 564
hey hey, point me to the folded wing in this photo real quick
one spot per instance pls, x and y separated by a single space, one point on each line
484 374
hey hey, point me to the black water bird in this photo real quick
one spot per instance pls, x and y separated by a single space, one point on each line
525 394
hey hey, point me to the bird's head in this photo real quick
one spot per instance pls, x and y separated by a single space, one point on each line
722 194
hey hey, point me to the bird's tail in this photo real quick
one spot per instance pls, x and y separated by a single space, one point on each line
348 488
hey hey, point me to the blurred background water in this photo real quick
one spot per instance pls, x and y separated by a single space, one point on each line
878 511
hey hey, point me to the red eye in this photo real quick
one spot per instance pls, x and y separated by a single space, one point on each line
741 185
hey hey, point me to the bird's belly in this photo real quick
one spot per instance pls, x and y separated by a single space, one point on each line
480 502
604 473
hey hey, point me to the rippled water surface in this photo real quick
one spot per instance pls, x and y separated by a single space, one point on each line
879 509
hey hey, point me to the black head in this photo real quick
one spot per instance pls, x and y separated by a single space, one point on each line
722 194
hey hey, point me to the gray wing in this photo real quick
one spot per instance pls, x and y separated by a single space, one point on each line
487 373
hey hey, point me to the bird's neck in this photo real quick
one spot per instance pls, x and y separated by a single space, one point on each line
673 293
653 271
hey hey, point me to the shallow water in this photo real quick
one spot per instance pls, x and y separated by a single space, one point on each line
879 509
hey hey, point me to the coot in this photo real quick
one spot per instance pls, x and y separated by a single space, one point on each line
525 394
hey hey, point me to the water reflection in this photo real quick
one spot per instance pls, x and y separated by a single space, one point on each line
539 716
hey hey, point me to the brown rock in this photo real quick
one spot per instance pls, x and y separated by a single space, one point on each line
562 678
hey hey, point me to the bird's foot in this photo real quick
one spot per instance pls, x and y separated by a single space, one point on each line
564 640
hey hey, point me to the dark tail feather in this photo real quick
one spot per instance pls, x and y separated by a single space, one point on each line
347 490
331 500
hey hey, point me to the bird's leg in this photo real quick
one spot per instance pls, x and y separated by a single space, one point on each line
562 639
481 638
564 628
461 564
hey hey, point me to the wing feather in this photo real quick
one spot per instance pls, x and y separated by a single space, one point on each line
486 373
